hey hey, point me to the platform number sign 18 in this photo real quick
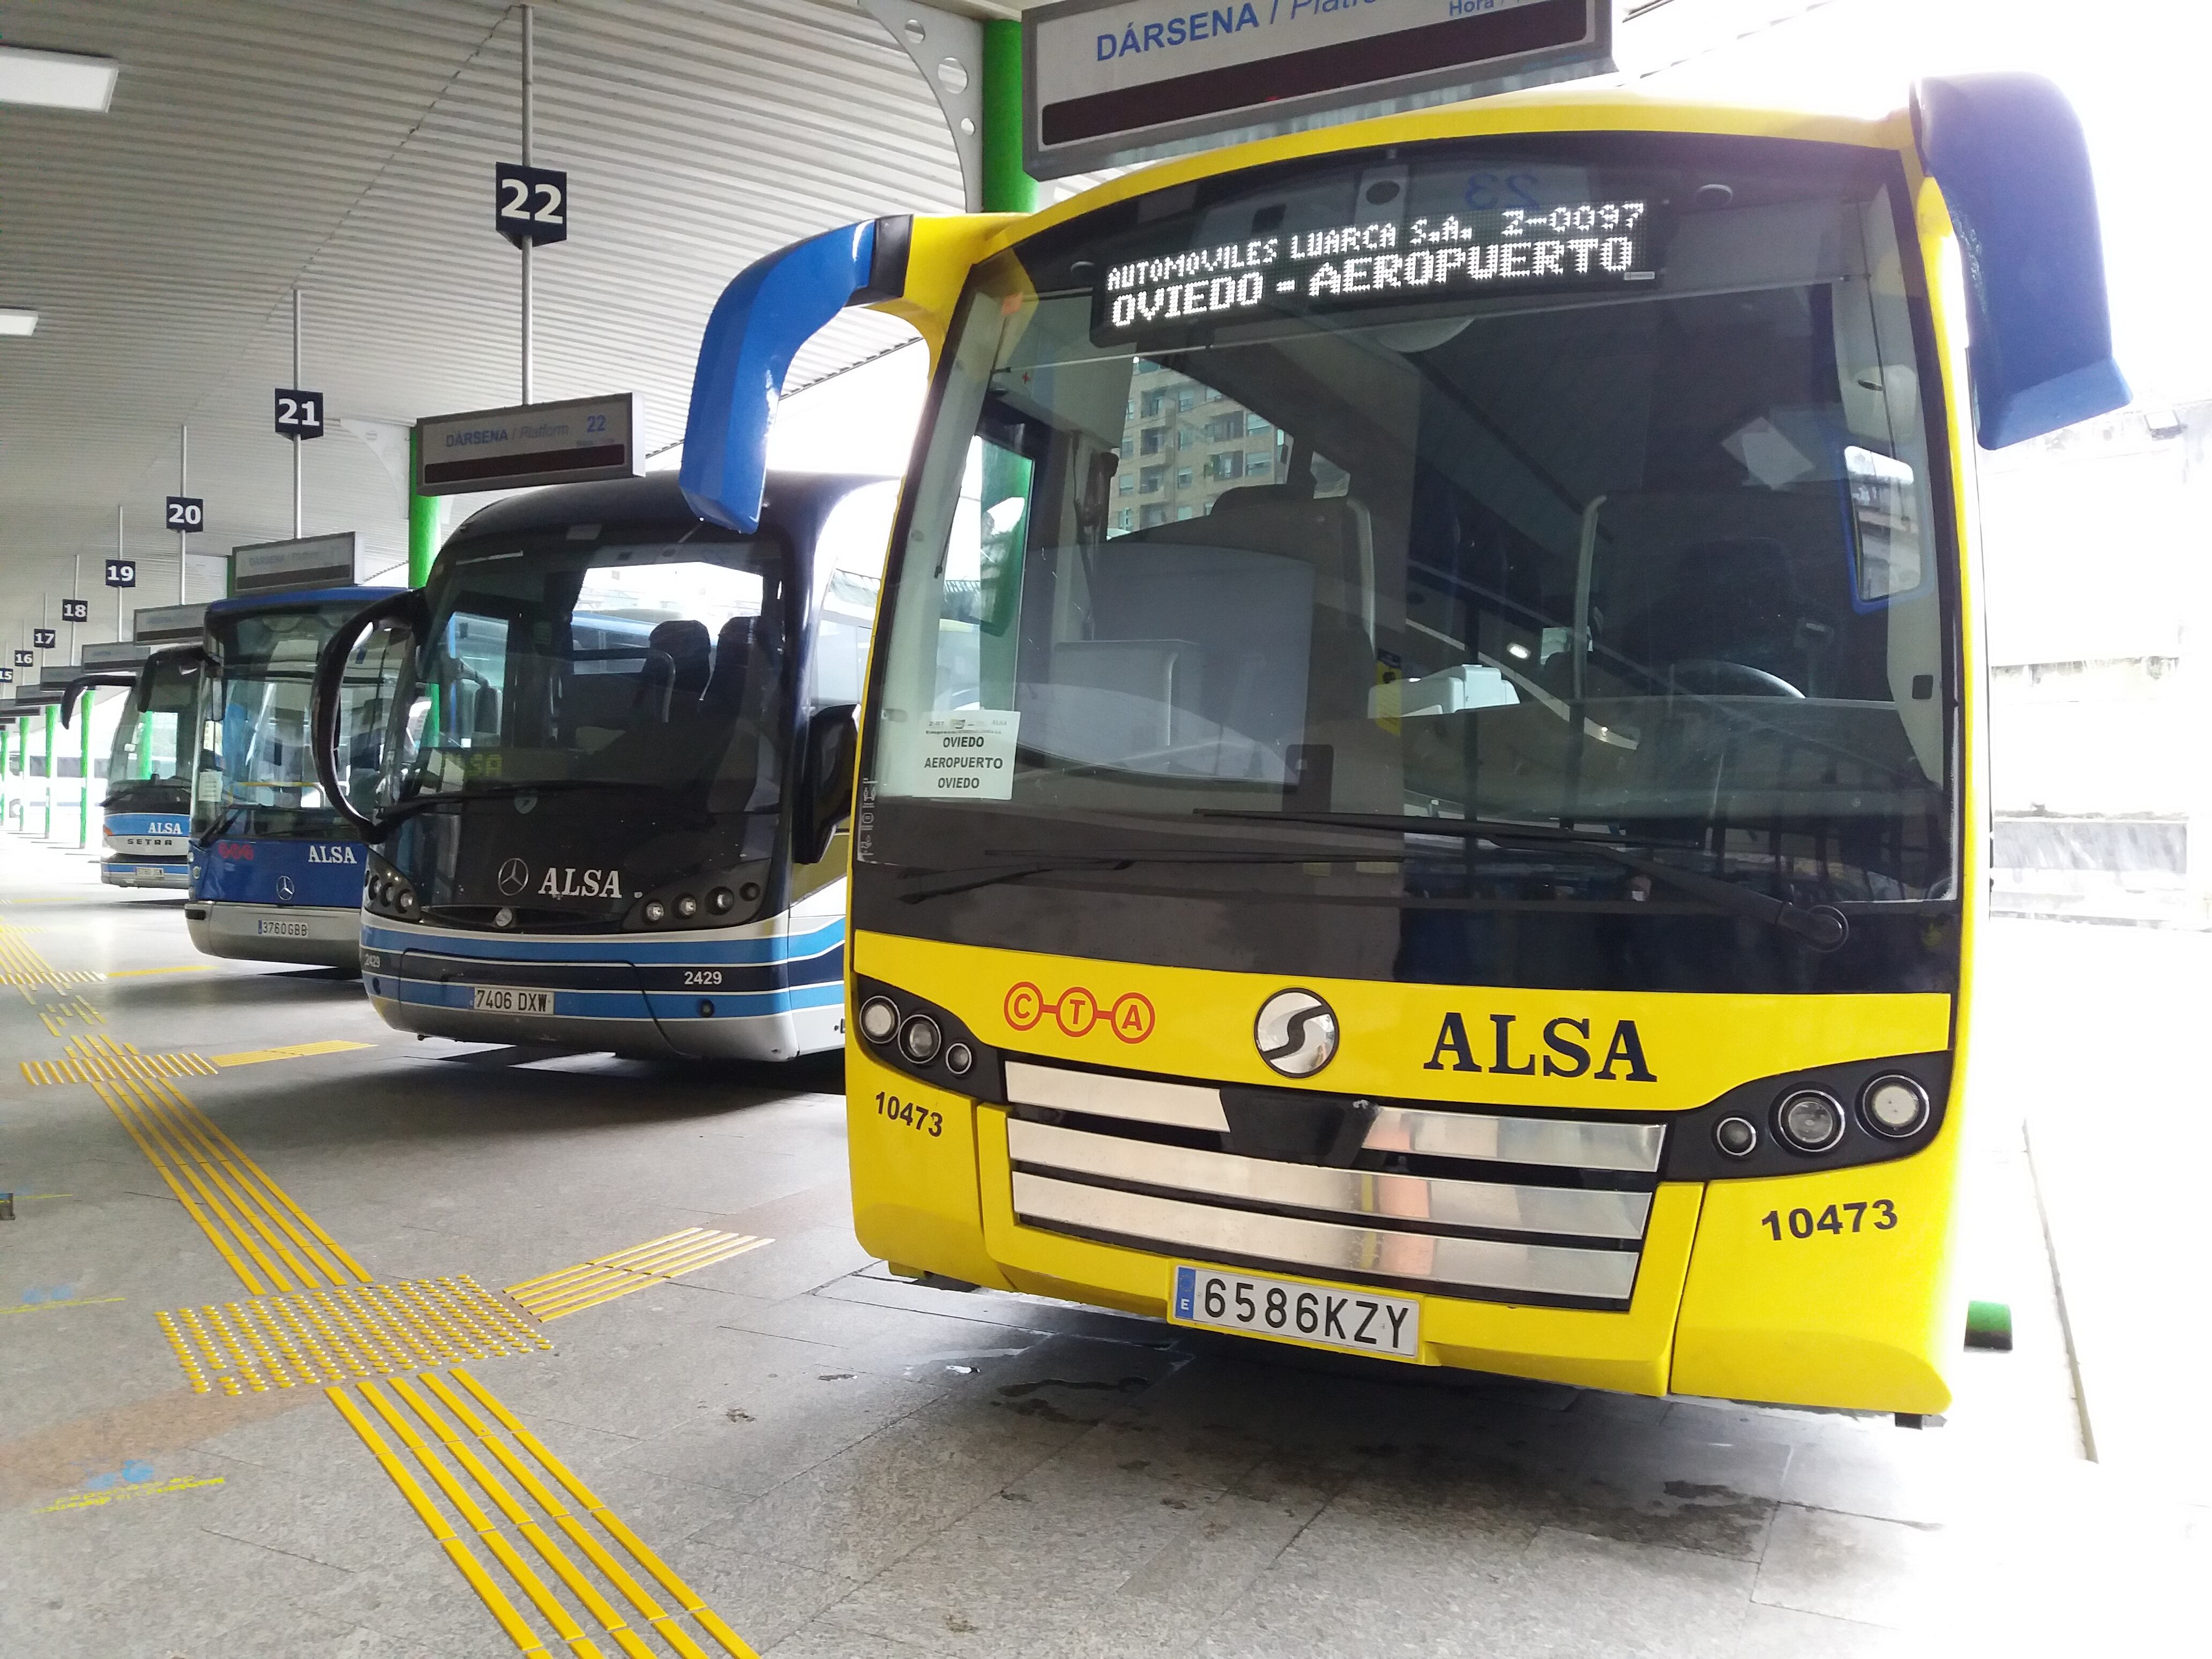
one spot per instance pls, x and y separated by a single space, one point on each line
531 203
76 609
122 572
185 513
299 413
42 639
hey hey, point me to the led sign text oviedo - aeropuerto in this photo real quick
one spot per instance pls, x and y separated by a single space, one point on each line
1382 262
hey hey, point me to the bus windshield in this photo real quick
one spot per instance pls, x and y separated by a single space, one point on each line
628 656
147 765
1582 488
257 771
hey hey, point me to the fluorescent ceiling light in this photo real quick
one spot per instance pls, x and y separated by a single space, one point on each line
57 80
18 322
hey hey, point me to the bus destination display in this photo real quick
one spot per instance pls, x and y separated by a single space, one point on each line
1380 262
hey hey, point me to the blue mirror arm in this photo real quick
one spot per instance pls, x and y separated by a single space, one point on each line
771 309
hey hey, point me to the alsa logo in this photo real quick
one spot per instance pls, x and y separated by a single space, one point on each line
340 854
1567 1044
165 827
573 883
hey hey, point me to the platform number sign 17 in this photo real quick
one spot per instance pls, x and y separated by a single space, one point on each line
74 610
185 513
299 413
531 203
42 639
122 572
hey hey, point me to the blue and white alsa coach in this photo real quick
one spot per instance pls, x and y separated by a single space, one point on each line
616 753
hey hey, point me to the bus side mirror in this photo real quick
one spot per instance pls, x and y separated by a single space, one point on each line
401 613
2008 152
825 782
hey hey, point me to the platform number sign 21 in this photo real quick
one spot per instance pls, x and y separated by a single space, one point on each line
122 572
299 413
73 610
531 203
185 513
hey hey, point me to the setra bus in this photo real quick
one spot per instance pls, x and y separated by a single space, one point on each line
146 809
610 731
277 870
1421 787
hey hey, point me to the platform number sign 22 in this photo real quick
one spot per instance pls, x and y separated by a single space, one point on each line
77 611
122 572
299 413
531 203
187 513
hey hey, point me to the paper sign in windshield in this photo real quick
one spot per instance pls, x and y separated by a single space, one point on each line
969 754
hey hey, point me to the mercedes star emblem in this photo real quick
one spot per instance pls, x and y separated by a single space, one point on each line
513 877
284 888
1296 1033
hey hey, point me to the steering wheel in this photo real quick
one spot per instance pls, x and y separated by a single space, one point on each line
1724 676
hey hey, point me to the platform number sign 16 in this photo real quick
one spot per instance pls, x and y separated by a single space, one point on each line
23 659
531 203
122 572
185 513
76 609
299 413
42 639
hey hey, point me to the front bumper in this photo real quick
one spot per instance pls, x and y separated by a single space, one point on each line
307 934
126 872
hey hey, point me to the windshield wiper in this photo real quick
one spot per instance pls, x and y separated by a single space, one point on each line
408 808
936 884
1823 926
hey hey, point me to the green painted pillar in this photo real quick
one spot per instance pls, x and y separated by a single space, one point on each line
46 832
84 806
421 518
7 755
1006 188
144 766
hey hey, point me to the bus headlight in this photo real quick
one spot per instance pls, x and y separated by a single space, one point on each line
1810 1121
920 1039
879 1017
1735 1136
1894 1105
687 907
655 910
720 900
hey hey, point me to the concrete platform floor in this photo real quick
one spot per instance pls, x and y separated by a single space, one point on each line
791 1445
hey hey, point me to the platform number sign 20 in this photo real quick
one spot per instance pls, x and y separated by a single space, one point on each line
122 572
299 413
185 513
74 610
531 203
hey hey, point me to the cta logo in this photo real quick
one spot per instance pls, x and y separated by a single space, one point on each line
340 853
1078 1011
1567 1043
1296 1033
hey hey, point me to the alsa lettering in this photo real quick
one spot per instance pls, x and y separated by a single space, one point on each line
332 855
1567 1047
573 883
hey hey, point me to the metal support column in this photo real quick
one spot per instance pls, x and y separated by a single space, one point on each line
296 531
422 517
184 443
529 98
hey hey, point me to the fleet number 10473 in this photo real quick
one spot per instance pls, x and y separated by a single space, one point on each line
1802 1222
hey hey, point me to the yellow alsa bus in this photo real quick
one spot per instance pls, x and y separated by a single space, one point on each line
1421 790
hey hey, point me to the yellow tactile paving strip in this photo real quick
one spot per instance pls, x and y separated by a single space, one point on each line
598 1589
606 1277
23 966
323 1336
269 1241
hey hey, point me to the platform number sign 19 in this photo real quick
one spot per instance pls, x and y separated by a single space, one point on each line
122 572
185 513
42 639
531 203
299 413
76 609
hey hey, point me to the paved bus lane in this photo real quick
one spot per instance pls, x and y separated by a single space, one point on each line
595 1336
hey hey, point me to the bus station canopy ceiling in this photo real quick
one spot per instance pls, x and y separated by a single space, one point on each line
347 147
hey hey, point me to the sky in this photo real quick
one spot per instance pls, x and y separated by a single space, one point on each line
2134 70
